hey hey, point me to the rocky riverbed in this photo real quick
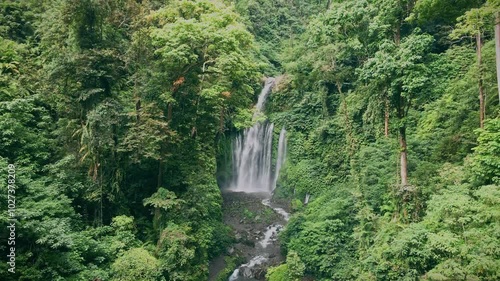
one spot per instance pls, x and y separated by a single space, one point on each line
255 221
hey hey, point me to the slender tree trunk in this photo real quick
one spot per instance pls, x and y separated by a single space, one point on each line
497 48
403 156
481 88
349 134
397 34
102 198
156 218
138 108
169 114
221 119
136 86
160 173
386 117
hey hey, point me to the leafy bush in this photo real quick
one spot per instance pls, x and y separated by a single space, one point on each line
296 205
486 159
278 273
295 266
136 264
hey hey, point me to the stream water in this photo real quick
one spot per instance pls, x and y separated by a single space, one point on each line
264 247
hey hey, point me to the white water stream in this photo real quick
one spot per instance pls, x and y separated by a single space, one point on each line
270 235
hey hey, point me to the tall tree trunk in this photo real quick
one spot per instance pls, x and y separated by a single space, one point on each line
221 120
403 156
102 198
386 117
160 173
138 108
349 134
136 85
497 48
481 88
397 34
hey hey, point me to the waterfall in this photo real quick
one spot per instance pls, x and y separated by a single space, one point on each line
252 152
263 95
280 160
306 200
252 159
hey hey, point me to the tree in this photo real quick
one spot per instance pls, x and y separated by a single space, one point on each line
497 48
295 266
136 264
439 17
473 23
334 45
486 164
404 67
495 6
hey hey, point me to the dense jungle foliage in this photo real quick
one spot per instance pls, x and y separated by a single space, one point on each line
117 115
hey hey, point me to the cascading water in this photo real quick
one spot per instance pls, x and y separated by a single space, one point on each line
252 159
252 151
280 160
